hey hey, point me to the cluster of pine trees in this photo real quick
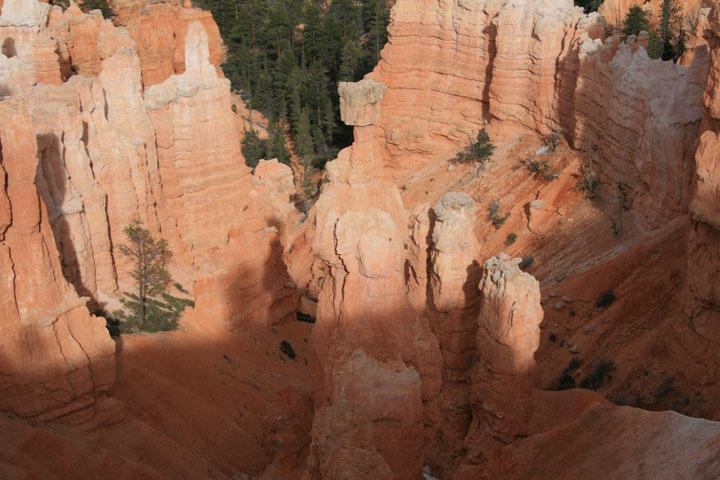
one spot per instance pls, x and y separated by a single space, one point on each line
286 58
667 39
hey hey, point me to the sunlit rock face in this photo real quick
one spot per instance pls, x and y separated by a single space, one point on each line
89 156
452 67
56 358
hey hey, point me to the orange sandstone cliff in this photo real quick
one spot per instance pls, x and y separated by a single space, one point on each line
441 331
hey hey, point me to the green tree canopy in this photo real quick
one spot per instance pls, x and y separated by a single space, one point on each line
635 21
149 307
286 57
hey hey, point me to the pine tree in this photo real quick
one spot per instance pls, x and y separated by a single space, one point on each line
303 137
311 32
150 308
378 17
350 61
669 15
253 148
276 145
101 5
286 57
635 21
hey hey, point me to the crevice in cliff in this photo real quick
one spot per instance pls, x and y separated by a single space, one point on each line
71 367
14 281
566 77
9 211
490 32
51 182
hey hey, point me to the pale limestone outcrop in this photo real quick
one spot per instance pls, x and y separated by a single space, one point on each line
24 13
28 49
360 102
454 250
641 115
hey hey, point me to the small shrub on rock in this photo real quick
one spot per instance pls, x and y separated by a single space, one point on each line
287 349
606 299
599 376
478 152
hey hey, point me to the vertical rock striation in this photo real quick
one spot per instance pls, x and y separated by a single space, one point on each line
373 350
537 66
55 357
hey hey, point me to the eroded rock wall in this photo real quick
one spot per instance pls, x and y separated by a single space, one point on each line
56 358
82 159
453 67
639 119
701 306
111 152
373 349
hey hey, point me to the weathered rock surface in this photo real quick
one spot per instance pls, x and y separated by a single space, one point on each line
371 346
79 161
343 445
507 337
159 31
576 432
618 109
454 250
449 69
28 50
413 363
56 358
23 13
360 102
